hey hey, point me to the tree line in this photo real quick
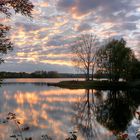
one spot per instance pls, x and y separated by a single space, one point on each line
39 74
113 59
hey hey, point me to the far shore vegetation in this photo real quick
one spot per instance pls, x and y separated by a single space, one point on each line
39 74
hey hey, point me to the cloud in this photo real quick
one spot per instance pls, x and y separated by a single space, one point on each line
125 26
27 26
30 67
83 27
45 40
81 7
55 41
133 18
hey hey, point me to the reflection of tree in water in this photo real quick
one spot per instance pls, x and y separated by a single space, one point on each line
114 110
85 118
117 110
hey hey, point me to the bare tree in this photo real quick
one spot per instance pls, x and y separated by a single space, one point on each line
84 49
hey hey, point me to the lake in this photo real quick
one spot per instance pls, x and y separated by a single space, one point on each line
52 111
39 80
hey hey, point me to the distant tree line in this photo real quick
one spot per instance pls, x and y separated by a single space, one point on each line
39 74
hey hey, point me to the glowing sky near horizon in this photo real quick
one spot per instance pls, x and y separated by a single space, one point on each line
43 42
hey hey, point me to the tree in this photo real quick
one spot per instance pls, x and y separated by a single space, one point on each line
135 69
24 7
84 50
115 59
5 43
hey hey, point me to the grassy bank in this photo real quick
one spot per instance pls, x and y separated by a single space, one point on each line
93 85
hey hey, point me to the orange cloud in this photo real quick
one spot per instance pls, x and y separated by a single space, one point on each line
57 62
43 4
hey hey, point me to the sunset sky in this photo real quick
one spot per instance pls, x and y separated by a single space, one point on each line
43 42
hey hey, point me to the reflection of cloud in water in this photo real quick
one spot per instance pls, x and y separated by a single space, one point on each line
46 110
133 127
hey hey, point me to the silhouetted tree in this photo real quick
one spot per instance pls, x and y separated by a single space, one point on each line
84 50
135 69
5 43
24 7
115 59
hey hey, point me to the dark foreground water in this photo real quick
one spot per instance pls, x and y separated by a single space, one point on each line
94 115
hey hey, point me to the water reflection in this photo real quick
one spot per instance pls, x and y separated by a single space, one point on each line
114 110
44 109
85 117
49 110
117 110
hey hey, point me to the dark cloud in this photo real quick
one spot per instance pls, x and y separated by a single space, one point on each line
84 27
137 37
82 7
58 40
133 18
125 26
55 41
136 33
129 26
27 27
59 50
66 4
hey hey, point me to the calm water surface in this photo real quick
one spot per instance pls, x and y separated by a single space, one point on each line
98 115
39 80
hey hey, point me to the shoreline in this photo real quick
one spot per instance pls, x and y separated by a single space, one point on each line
96 85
